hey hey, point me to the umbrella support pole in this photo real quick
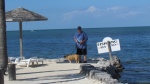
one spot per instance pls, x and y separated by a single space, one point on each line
21 42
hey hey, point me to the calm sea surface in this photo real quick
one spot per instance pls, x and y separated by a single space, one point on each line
134 54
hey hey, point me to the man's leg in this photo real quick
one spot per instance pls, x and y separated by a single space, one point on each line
79 53
85 58
80 60
85 55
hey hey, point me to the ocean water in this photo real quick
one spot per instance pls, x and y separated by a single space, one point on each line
134 54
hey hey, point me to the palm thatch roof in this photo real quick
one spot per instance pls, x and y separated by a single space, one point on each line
22 14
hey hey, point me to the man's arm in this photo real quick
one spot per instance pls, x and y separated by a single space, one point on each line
85 38
83 41
75 40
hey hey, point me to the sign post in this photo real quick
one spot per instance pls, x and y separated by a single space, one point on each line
109 49
108 45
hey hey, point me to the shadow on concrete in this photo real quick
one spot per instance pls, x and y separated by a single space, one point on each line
55 79
45 71
66 79
39 65
88 61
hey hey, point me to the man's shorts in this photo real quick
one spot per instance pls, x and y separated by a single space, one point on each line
81 51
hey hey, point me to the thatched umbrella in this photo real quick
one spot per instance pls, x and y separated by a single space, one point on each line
21 15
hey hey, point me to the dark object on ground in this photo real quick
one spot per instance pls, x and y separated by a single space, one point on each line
84 61
1 76
12 72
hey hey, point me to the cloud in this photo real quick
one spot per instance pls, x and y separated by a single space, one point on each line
115 8
129 14
91 9
72 14
92 12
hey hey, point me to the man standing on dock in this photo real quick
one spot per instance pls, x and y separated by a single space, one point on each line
81 43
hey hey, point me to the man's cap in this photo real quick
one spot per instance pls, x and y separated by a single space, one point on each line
79 28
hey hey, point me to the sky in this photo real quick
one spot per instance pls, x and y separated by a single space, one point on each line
67 14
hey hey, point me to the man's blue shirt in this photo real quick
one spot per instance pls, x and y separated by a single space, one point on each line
80 37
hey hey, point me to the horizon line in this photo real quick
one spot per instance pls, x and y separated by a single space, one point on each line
76 28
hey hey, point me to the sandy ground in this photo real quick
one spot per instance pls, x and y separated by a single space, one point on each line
50 73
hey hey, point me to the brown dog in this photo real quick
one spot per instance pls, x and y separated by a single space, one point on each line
72 57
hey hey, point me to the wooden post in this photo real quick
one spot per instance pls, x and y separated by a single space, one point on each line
3 42
12 72
21 42
1 76
109 49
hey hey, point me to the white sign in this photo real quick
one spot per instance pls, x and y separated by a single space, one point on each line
103 46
